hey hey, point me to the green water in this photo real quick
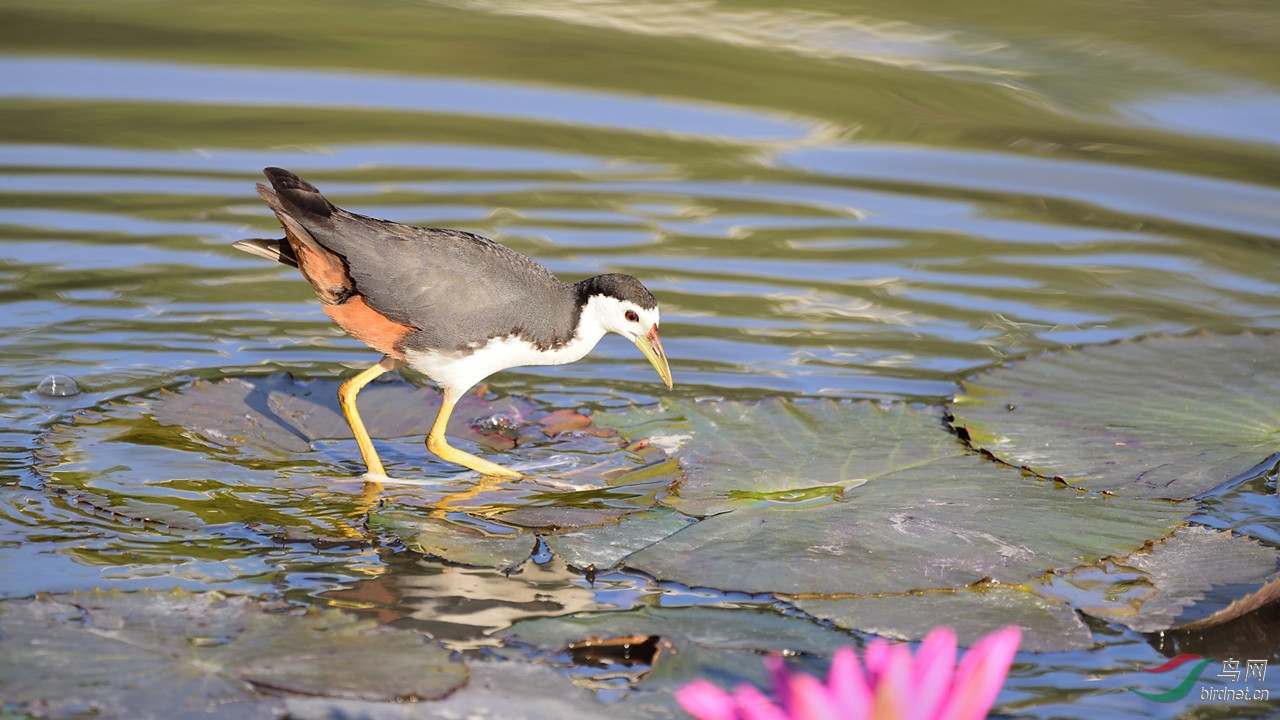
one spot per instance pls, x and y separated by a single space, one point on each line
828 199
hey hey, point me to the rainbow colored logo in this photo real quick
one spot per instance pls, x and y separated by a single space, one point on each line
1183 687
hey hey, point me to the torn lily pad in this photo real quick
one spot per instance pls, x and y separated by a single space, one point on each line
673 645
1194 579
179 654
1160 417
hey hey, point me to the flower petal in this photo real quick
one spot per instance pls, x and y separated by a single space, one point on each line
753 705
980 675
875 657
779 680
811 701
894 686
705 701
935 667
847 685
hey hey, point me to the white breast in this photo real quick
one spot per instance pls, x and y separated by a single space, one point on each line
459 372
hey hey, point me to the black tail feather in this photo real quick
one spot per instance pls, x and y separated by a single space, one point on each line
298 193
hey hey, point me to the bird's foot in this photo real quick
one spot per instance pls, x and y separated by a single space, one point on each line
448 453
484 467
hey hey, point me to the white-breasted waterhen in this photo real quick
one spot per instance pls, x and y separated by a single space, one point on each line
455 306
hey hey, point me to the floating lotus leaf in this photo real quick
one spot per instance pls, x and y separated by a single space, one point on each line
930 514
459 538
605 546
667 647
275 454
278 416
1194 579
679 662
496 691
744 628
500 691
1161 417
1048 625
121 462
779 451
177 655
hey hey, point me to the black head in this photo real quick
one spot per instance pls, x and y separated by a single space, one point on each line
621 304
617 286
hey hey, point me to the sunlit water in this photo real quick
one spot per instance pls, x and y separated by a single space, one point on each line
862 204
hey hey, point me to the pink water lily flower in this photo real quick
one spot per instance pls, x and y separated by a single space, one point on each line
890 684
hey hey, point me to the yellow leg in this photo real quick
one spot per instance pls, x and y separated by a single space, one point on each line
347 399
437 444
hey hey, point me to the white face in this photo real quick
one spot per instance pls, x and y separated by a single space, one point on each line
625 318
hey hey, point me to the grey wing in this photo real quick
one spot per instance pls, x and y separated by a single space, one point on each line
456 287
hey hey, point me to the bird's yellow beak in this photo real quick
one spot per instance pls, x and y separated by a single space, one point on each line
651 346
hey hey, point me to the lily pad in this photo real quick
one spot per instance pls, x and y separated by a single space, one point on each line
756 629
1194 579
774 450
604 547
120 461
279 416
664 648
176 655
1161 417
678 662
274 454
459 538
496 691
926 512
659 649
1048 625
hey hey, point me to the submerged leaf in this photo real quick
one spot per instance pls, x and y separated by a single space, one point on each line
177 654
458 539
462 607
1161 417
1048 625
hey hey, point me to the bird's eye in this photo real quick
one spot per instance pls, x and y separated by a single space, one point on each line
631 316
